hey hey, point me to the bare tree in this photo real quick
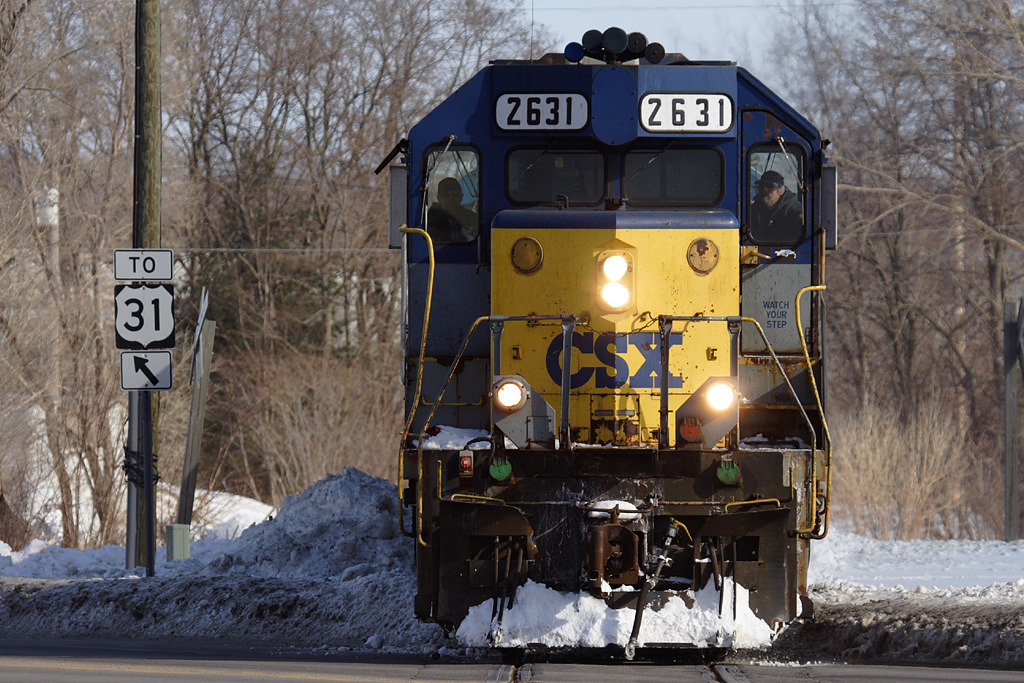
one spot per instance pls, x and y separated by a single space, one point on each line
286 109
923 100
66 128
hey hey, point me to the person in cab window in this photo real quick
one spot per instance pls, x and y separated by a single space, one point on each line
447 219
775 215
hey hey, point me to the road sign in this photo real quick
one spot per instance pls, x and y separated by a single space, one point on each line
143 264
144 316
146 370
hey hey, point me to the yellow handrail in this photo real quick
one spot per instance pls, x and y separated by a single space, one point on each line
824 424
739 503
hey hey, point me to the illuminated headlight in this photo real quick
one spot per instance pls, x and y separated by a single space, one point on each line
509 394
720 396
616 295
615 267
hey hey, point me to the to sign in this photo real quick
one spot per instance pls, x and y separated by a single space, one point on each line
144 316
143 264
146 371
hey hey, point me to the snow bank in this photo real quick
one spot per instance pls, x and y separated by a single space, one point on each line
331 570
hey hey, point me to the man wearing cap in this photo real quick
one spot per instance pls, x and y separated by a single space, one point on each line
447 219
775 215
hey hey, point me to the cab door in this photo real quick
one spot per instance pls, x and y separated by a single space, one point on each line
776 252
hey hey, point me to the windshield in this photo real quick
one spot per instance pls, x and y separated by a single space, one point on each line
673 177
541 176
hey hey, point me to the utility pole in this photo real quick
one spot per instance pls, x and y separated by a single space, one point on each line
1011 362
145 234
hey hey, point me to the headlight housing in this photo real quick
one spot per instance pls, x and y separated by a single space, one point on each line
615 280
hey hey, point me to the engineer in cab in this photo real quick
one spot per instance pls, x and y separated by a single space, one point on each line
776 210
447 219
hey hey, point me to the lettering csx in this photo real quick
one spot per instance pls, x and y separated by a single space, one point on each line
603 358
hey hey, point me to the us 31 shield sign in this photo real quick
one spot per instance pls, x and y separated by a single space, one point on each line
144 316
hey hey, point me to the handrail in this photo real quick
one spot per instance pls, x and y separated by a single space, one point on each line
419 370
824 424
740 503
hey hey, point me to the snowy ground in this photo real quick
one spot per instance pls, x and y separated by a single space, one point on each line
331 571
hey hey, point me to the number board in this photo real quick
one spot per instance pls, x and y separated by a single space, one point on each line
686 113
144 316
542 111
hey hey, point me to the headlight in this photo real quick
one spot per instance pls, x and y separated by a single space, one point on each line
615 281
510 395
615 295
615 267
720 396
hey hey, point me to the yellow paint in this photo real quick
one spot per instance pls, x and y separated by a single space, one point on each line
662 283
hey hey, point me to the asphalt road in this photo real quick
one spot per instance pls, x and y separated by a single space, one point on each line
87 661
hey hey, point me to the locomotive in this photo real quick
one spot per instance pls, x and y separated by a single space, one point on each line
613 276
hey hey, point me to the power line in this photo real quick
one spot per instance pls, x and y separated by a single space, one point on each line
307 250
664 8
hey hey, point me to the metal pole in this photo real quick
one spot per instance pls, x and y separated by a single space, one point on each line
149 481
665 337
568 330
131 555
1011 335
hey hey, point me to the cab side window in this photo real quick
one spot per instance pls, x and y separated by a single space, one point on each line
453 194
775 212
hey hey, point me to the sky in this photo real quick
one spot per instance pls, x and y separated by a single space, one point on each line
733 30
330 571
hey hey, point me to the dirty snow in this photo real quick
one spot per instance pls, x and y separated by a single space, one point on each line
330 570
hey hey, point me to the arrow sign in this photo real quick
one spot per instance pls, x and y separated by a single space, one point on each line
142 365
144 316
146 370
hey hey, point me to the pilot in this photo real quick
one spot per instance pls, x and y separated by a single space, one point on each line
447 219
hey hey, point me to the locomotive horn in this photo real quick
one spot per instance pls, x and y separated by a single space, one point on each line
574 52
654 53
592 40
615 40
637 43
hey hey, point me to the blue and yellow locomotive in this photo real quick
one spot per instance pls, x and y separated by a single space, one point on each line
613 265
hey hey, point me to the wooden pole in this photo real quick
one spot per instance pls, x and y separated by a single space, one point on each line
145 234
1011 361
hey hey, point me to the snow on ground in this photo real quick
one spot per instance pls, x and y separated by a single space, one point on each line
330 570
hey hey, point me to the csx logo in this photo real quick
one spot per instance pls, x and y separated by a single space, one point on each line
603 358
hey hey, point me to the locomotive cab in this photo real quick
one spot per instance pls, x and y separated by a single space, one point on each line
614 342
